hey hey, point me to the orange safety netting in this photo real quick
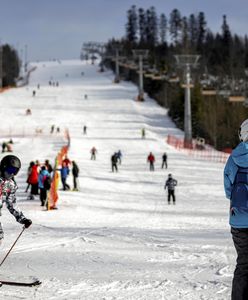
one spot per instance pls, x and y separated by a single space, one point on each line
53 193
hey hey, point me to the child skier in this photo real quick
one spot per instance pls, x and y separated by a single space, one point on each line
9 167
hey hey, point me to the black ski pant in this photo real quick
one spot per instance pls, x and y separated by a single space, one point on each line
114 167
164 164
240 278
75 182
171 193
65 185
151 166
43 196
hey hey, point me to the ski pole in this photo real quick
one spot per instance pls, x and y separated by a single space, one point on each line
13 245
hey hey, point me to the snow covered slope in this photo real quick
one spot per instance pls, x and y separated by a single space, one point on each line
117 238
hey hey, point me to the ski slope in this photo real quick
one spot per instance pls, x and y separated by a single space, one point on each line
117 238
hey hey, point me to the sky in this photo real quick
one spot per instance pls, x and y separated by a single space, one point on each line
58 28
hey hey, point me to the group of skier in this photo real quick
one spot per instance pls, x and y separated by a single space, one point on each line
39 178
151 161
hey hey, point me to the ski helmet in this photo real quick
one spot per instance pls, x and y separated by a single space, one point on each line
243 131
170 175
10 166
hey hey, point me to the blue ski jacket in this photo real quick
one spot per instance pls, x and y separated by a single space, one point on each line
236 185
43 174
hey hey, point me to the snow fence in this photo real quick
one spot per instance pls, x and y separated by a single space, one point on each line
53 193
207 152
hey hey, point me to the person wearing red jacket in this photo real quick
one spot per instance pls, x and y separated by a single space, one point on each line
33 179
151 160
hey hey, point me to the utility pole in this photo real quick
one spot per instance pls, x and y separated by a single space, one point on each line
140 54
186 62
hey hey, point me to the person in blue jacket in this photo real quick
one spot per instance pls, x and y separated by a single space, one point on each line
41 180
64 172
236 189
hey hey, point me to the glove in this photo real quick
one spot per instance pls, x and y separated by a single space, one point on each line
27 222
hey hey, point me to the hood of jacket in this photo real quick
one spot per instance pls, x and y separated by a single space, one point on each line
240 155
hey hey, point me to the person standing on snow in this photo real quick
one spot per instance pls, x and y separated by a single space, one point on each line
9 167
75 173
164 161
33 179
64 171
170 185
143 133
119 156
114 161
93 152
236 189
43 189
151 160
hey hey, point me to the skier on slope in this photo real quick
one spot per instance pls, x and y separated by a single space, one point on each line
164 161
114 161
93 152
236 189
9 167
151 160
170 185
75 173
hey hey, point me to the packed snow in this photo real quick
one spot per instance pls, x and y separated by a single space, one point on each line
117 238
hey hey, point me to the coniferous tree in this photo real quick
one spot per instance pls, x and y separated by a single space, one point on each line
201 34
142 25
226 39
193 31
11 65
148 28
246 50
185 35
131 26
153 26
163 28
175 26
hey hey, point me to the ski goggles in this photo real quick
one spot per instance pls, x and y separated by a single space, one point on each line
12 170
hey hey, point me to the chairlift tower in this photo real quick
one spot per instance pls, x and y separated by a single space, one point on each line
101 51
26 58
117 49
187 62
141 54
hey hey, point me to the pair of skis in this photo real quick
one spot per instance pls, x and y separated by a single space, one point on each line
35 282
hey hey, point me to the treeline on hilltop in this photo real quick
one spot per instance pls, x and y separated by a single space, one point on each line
10 65
223 62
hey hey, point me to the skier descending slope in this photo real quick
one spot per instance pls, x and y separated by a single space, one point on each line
9 167
236 188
